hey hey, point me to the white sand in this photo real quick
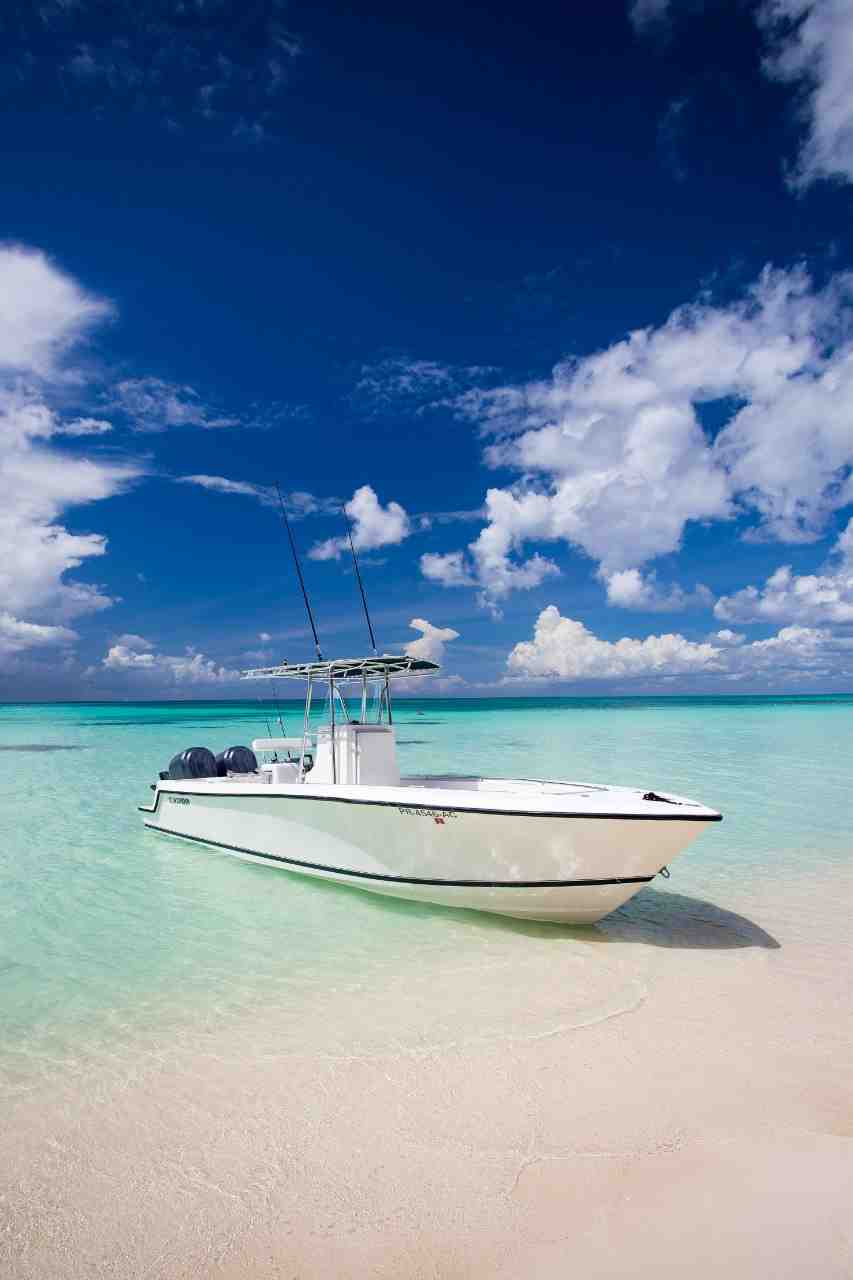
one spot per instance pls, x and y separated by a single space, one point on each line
669 1095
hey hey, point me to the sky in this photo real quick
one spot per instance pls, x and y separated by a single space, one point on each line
555 300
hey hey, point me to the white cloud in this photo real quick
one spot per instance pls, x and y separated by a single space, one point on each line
431 642
371 520
446 684
16 636
264 637
299 504
190 667
43 314
803 598
563 649
372 526
806 597
844 545
727 637
39 483
243 488
487 562
121 657
450 570
796 651
84 427
612 455
811 44
131 641
464 516
631 589
150 404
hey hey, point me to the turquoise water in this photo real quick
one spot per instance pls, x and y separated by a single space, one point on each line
110 934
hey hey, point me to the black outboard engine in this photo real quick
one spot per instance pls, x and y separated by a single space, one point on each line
236 760
195 762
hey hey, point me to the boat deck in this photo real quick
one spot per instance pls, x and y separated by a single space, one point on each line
468 793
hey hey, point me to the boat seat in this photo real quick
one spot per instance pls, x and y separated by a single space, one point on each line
283 773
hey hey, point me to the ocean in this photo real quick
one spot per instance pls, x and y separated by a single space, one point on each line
125 954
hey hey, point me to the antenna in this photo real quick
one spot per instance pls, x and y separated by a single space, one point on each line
299 572
360 583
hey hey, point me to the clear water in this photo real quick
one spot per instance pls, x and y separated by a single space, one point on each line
112 937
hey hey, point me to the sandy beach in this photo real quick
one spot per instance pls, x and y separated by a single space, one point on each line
668 1091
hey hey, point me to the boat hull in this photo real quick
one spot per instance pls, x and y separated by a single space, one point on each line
539 865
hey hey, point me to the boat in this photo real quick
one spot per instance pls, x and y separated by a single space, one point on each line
330 803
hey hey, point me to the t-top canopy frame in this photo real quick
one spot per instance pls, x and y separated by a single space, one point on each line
385 666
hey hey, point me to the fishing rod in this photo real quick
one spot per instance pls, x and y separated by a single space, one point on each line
360 583
277 707
265 716
299 572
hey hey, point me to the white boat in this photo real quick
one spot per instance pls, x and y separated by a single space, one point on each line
331 804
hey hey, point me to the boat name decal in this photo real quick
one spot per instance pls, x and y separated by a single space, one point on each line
438 815
178 800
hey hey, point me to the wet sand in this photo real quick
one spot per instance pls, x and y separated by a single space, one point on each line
668 1093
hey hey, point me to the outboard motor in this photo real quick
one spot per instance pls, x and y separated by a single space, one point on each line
236 760
195 762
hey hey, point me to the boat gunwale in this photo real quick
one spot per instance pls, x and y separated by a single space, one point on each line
261 790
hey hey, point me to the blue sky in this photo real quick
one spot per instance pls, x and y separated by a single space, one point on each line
556 298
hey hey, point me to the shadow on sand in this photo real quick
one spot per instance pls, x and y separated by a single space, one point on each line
654 918
664 919
657 919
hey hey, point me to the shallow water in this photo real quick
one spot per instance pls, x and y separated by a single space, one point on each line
114 939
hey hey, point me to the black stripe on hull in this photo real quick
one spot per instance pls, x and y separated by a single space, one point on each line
442 808
375 875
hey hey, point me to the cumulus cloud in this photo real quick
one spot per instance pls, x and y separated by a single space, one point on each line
614 460
372 526
564 649
811 44
44 317
631 589
793 652
189 667
131 641
513 518
727 637
803 598
449 570
807 597
431 642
